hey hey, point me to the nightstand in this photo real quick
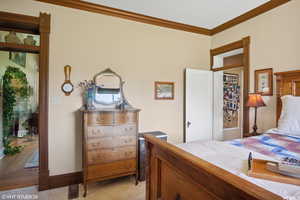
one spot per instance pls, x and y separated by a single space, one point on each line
142 152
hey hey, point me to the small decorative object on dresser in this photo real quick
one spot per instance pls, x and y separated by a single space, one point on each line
255 101
164 90
264 82
142 151
109 132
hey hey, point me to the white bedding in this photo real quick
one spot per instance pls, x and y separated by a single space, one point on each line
234 160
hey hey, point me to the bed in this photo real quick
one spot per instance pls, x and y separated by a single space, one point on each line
216 170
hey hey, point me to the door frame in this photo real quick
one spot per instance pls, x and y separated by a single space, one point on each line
245 45
35 25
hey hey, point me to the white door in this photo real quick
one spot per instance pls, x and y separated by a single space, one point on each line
218 87
198 105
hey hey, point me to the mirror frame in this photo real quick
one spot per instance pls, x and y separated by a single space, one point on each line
121 83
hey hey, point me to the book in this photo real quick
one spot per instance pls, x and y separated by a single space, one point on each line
287 166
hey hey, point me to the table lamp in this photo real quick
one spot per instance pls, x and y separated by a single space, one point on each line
255 101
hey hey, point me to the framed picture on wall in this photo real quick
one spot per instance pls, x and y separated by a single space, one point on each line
164 90
18 58
264 82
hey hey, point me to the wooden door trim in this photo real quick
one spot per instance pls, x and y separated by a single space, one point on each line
44 29
38 25
245 44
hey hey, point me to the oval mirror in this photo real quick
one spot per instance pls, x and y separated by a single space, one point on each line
108 88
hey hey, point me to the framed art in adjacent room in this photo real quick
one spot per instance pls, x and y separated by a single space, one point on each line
164 90
264 82
18 58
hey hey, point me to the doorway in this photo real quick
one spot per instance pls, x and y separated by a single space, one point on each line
19 139
233 103
204 95
230 64
24 63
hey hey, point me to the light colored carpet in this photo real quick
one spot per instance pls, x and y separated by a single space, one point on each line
116 189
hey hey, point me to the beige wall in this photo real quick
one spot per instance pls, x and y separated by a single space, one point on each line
140 53
275 43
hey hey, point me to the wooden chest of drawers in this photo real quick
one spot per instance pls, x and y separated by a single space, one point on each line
109 144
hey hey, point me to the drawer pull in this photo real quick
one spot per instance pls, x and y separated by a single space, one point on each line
177 197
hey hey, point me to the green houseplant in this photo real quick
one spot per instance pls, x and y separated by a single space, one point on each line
10 93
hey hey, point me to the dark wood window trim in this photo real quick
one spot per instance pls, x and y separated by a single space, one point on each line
245 44
38 25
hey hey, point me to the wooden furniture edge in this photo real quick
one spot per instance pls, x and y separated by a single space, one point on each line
280 77
63 180
249 15
287 73
197 163
96 8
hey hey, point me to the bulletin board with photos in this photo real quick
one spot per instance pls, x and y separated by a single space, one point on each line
231 101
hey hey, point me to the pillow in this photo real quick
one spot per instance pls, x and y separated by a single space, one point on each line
289 121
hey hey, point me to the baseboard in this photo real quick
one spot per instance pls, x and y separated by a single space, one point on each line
65 180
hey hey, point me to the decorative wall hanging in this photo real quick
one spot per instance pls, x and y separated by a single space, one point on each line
164 90
231 101
18 58
264 82
67 87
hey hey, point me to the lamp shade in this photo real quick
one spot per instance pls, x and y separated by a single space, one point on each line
255 100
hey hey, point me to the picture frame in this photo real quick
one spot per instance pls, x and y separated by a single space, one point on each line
18 57
164 90
264 81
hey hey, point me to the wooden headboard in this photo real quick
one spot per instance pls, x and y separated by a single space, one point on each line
287 83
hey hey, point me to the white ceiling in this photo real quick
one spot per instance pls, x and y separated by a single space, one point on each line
202 13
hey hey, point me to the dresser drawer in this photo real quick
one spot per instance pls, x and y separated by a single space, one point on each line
125 118
97 156
127 129
111 131
111 142
111 169
100 118
100 131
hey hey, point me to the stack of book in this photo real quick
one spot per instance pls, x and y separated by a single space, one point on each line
287 166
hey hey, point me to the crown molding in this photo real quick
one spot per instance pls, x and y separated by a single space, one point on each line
96 8
249 15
